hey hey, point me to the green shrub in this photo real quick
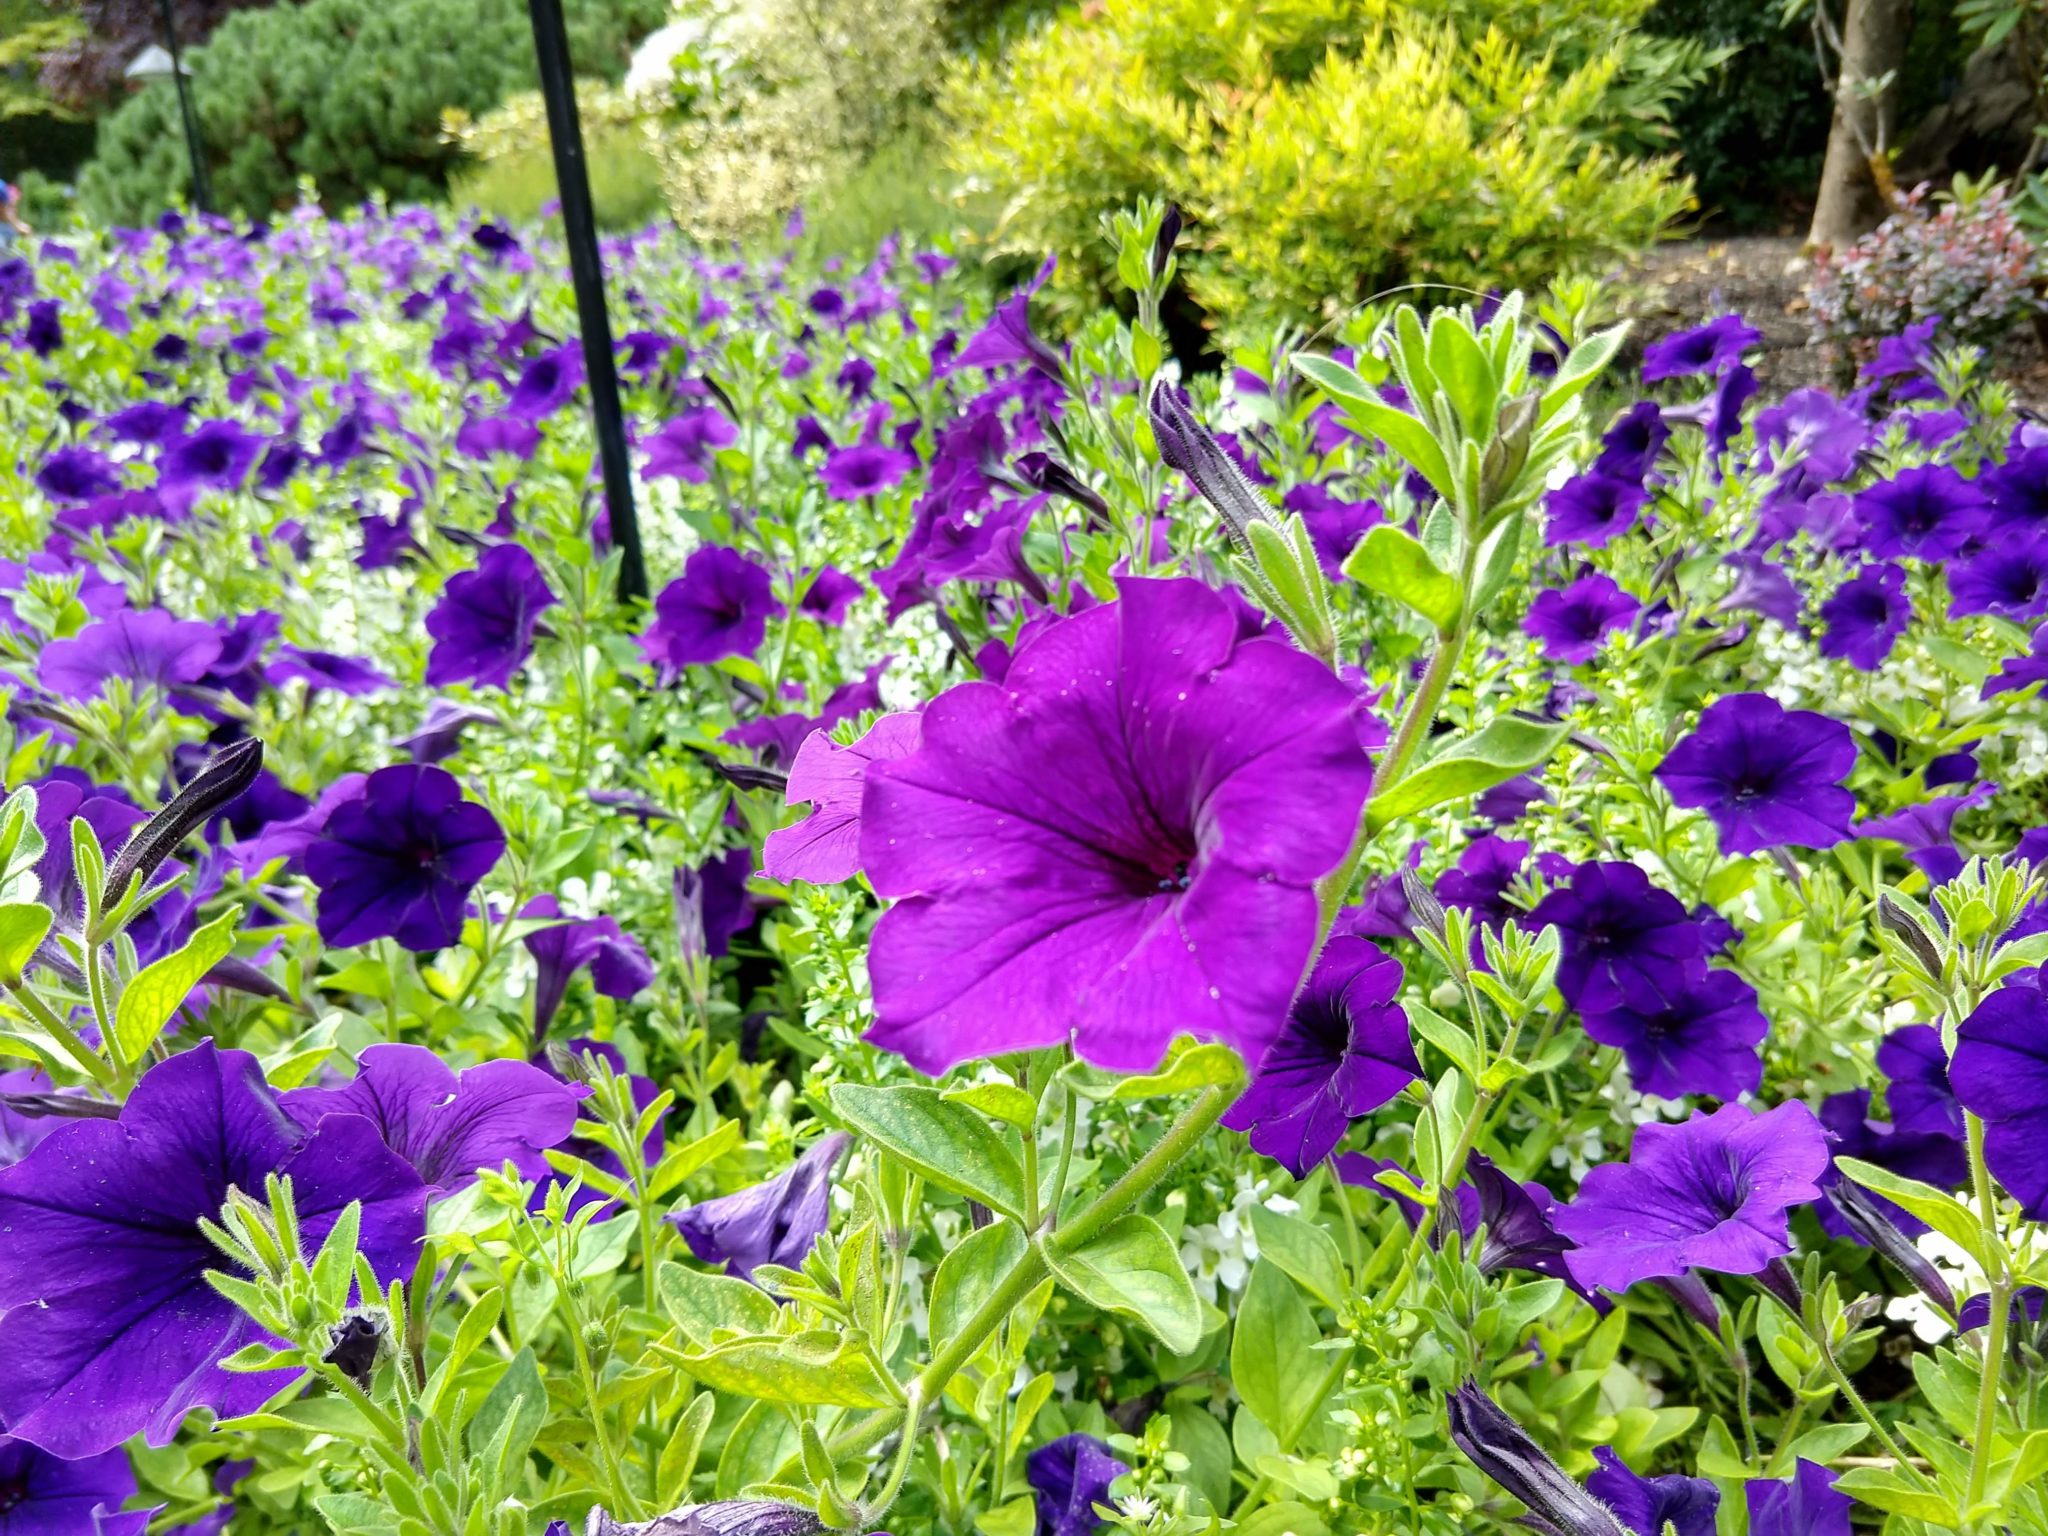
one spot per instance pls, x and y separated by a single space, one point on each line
1328 149
510 170
346 94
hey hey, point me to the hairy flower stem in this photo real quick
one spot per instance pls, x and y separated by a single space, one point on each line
1994 1333
929 1387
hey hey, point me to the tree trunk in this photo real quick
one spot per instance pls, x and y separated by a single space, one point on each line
1855 182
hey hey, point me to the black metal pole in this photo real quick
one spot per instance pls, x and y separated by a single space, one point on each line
195 151
579 227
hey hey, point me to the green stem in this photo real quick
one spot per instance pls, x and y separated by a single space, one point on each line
1994 1335
62 1033
1454 1169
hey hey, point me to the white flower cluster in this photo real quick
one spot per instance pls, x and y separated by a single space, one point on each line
1221 1253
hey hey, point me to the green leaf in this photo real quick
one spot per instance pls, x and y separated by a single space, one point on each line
1305 1251
1507 746
510 1415
701 1304
23 927
949 1144
1581 366
1394 564
999 1101
1890 1492
1019 1517
685 1444
1453 1039
1939 1209
1288 1519
148 1001
817 1367
1465 372
1132 1269
1373 417
1273 1359
1202 1066
970 1273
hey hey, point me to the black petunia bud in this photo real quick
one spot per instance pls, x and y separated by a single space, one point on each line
218 784
1167 238
1191 448
354 1345
1502 1449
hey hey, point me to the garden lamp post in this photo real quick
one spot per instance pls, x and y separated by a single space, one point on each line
586 269
158 63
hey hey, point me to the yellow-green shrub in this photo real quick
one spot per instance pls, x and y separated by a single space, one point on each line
1328 149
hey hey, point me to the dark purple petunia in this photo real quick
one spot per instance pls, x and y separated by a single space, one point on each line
1697 1036
2018 491
1592 509
1808 1505
829 595
1117 844
2007 577
864 469
149 422
110 1328
77 474
824 848
328 670
716 893
1765 775
1866 616
215 455
1517 1217
1648 1505
21 1134
1714 1192
2026 1306
771 1223
1927 831
1918 1093
619 966
546 384
439 736
483 626
147 647
387 541
1343 1052
449 1127
2000 1074
45 1495
1573 623
1480 880
1334 525
482 437
1622 937
1761 587
1069 1477
1629 448
1932 1157
44 332
683 447
2020 671
1719 413
1708 348
1008 339
720 606
1928 513
1507 803
400 860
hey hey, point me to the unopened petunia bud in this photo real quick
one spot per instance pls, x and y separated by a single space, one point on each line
730 1517
688 887
1502 1449
1868 1218
1429 912
218 784
354 1345
1191 448
1897 920
1164 242
1043 472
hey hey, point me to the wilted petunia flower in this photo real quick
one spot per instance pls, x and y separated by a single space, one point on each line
1502 1449
1117 844
45 1495
1765 775
1808 1505
147 647
2000 1074
1930 513
864 469
771 1223
1574 622
720 606
1866 616
619 966
824 847
1713 1192
110 1328
1592 509
1518 1217
449 1127
728 1517
400 860
1697 1036
439 736
483 626
1070 1476
1008 339
1932 1157
1621 935
1648 1505
1343 1052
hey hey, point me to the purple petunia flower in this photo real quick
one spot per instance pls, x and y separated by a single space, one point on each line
2007 577
1761 587
1629 448
683 448
1117 844
619 966
1509 802
399 860
439 736
1480 880
1918 1092
2018 491
546 384
329 670
1933 1157
1503 1450
1929 513
2000 1074
2020 671
715 895
215 455
720 606
1622 937
449 1127
1516 1216
1343 1052
483 626
824 848
864 469
1767 776
45 1495
1709 348
1648 1505
1808 1505
147 647
1714 1192
1866 616
44 332
829 595
483 437
150 422
1815 432
1698 1036
1008 339
1070 1476
1575 622
770 1223
1926 831
1592 509
110 1327
1334 525
77 474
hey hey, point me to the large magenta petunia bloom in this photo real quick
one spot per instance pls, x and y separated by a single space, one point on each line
110 1327
1117 844
824 847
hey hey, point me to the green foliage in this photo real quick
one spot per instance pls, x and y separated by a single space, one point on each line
345 94
1327 151
512 176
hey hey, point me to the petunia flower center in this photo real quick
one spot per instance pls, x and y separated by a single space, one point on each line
13 1491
